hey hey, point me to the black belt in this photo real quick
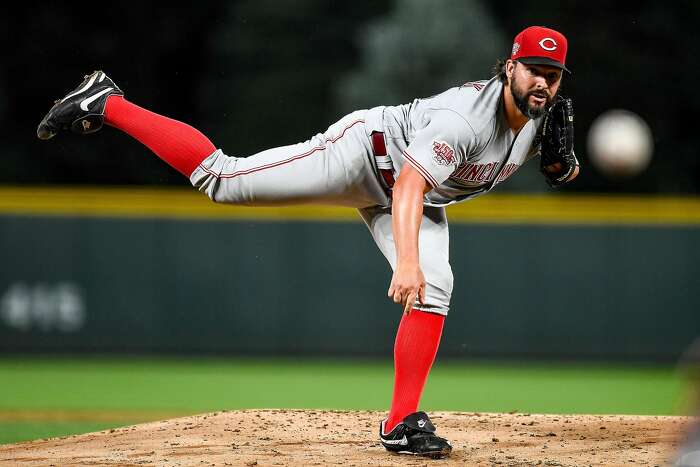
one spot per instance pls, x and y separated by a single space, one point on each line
384 164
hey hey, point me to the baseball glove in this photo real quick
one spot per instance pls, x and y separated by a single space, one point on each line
558 162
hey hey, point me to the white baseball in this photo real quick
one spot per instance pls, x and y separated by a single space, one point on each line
620 143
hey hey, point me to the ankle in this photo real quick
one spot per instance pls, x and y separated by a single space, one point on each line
392 421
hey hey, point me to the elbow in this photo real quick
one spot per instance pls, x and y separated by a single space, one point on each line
398 190
410 184
403 191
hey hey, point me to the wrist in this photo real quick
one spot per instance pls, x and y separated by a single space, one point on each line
410 262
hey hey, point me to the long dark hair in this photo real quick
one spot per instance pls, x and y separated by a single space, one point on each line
499 69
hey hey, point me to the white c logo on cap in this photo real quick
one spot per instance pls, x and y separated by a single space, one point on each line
548 39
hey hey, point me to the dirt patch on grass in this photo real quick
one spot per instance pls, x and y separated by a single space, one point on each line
308 437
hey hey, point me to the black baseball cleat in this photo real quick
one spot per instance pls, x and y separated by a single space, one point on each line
415 435
82 110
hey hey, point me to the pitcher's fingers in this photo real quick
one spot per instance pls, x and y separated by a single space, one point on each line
393 288
421 295
397 297
410 300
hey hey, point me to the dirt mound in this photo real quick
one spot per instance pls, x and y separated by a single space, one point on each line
314 437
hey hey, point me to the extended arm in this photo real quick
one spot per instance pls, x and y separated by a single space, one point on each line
408 282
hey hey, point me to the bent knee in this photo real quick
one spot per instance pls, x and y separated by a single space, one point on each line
438 290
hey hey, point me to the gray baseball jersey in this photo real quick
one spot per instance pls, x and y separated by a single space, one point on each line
458 140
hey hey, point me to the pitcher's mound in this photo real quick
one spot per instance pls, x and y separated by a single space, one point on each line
315 437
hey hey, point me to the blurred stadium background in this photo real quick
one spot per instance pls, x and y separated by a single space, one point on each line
126 296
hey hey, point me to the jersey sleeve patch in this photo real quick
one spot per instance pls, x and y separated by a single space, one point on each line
438 149
443 154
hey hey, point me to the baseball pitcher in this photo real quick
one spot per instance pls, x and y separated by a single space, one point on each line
398 165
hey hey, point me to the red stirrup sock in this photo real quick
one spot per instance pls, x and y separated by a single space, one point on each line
177 143
416 345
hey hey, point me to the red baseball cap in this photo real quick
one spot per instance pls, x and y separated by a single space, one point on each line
538 45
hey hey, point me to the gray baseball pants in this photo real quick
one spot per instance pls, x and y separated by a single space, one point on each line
336 167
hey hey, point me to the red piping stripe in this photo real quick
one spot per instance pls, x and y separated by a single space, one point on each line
286 161
420 168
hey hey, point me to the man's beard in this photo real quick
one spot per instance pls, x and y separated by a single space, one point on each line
522 100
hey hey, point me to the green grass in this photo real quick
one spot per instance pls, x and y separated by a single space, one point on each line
191 385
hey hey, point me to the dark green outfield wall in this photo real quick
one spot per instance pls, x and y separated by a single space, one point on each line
91 284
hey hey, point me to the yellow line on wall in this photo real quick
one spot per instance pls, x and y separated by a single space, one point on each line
184 203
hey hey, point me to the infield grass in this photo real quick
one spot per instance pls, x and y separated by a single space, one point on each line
42 397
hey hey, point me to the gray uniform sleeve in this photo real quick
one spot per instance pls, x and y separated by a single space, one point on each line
439 148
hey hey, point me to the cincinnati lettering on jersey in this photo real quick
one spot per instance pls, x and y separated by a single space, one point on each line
443 154
482 173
